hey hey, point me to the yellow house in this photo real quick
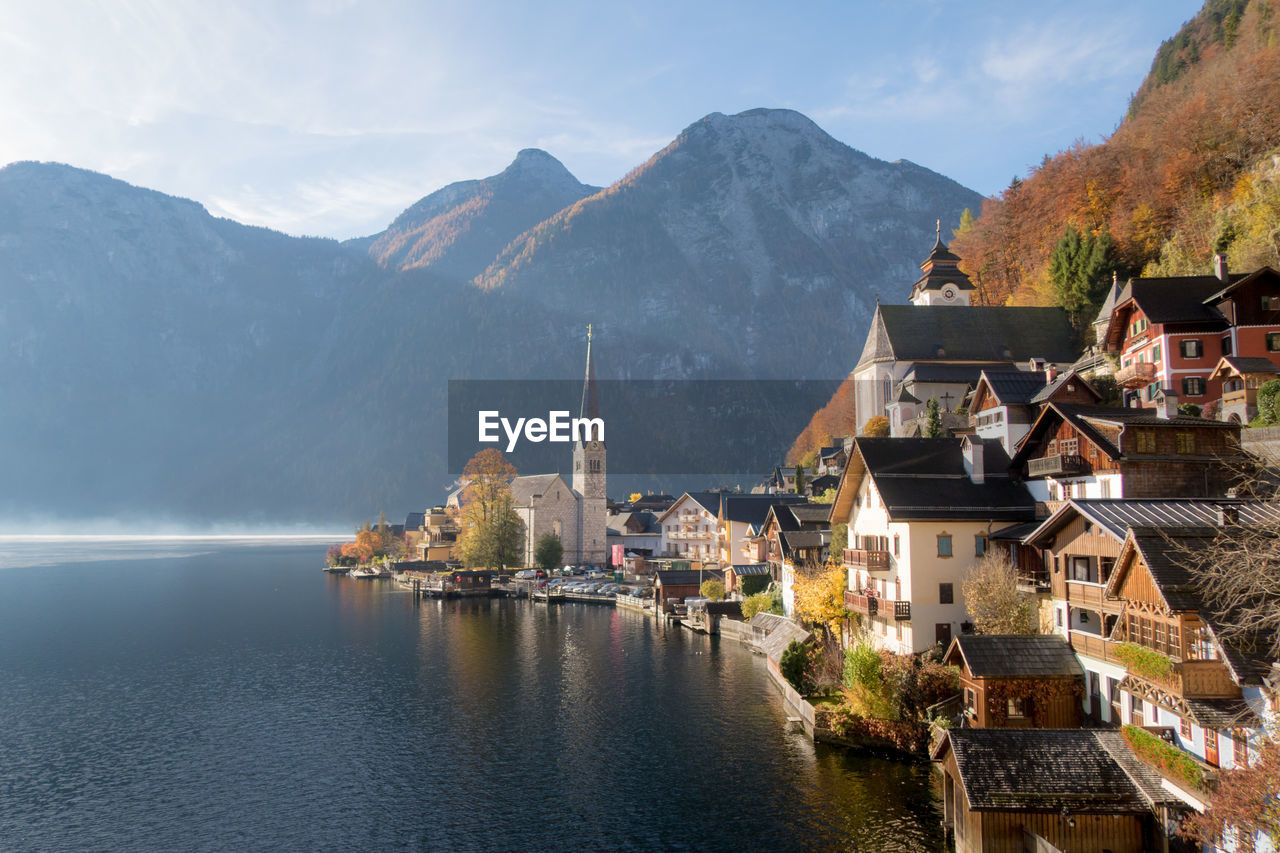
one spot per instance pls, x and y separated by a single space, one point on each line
918 513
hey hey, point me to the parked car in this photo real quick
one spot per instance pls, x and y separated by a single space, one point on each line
594 573
525 575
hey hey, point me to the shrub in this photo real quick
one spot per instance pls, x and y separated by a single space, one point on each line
795 666
862 667
712 589
1143 661
752 584
849 725
1268 411
1165 756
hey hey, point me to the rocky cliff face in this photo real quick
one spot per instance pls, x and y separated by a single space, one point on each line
157 362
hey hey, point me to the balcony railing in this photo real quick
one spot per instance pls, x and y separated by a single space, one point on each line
1096 647
1136 375
871 605
866 559
1061 463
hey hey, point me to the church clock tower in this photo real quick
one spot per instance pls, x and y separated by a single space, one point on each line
589 477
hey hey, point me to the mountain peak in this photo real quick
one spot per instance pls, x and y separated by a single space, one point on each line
534 164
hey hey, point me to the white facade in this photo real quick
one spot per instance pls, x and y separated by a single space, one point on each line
689 531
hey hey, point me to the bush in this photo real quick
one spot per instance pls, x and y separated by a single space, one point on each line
752 584
849 725
862 667
1190 409
712 589
1167 757
761 602
795 665
1268 411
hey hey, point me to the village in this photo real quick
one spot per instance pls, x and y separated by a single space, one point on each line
1065 554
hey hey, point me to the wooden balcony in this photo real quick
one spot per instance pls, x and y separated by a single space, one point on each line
1061 463
872 561
871 605
1198 679
1090 595
867 605
1136 375
1098 648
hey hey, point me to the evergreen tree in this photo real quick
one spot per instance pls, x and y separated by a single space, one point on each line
933 420
1080 268
548 552
799 479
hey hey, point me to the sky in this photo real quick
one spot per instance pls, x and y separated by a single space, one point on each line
329 117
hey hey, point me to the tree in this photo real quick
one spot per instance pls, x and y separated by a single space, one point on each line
933 420
760 602
1246 802
1081 266
876 427
828 496
1268 396
712 589
548 551
799 479
491 530
819 596
992 598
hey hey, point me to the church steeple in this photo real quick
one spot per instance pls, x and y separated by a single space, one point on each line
589 474
941 282
590 406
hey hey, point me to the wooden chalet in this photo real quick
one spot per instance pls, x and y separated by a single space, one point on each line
678 584
1082 790
1018 681
1005 402
1080 451
1191 682
1240 378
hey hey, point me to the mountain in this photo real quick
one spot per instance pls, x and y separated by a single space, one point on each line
163 364
754 235
1189 172
457 231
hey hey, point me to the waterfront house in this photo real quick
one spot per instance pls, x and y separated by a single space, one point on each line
1012 790
742 516
918 513
1079 545
1169 333
637 531
1018 681
690 527
675 585
1081 451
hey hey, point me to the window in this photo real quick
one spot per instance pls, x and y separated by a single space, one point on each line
1193 386
970 702
1146 440
944 545
1059 612
1105 565
1271 303
1084 617
1104 487
1184 727
1080 569
946 593
1017 707
979 545
895 545
1155 354
1192 348
1240 752
1185 442
1226 345
1273 341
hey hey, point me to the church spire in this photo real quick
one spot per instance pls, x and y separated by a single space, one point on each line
590 407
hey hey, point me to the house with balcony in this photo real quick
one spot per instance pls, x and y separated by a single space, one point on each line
1005 403
1169 333
1240 378
1017 681
1081 451
691 527
1079 545
1202 689
918 512
742 516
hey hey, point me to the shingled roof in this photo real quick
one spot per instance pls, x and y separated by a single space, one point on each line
989 334
525 489
1015 655
1050 770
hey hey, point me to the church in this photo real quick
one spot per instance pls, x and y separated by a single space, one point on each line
939 344
577 512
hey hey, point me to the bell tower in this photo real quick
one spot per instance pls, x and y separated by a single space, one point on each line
589 475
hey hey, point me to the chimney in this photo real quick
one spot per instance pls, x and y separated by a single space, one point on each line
1220 266
971 447
1050 372
1166 404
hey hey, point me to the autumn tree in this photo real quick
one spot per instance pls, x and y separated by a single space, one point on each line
993 599
876 427
548 552
1246 802
819 596
712 589
491 530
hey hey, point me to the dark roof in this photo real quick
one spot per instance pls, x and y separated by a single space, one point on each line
414 520
686 577
793 539
1086 418
925 478
940 252
1014 532
751 569
730 609
905 396
1048 770
818 485
1066 376
658 502
1250 365
989 334
753 509
828 452
1116 516
942 373
1176 300
1014 387
1011 655
811 513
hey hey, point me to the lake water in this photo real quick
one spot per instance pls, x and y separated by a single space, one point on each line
214 695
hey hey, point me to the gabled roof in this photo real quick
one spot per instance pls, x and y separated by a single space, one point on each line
1012 387
1069 376
1014 655
948 373
792 540
1115 516
525 489
987 334
829 452
1180 299
414 520
1075 771
685 577
818 485
753 509
919 478
1243 366
744 570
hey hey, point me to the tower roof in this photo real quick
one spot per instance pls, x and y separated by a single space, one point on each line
941 268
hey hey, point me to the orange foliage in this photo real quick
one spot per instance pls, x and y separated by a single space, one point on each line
1175 159
834 420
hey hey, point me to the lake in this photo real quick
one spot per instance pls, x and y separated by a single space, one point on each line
221 694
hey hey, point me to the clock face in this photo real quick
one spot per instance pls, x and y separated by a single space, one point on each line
948 293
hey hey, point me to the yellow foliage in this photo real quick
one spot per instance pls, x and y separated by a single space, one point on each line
819 596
